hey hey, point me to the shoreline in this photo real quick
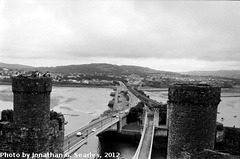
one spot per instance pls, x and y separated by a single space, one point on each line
79 85
223 90
69 85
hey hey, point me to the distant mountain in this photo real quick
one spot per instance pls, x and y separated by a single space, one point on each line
138 69
101 68
220 73
15 66
91 68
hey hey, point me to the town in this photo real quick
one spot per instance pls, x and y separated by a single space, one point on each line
104 79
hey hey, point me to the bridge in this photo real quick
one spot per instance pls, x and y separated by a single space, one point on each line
151 121
72 142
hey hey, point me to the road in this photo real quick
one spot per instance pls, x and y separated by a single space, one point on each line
100 124
147 141
86 131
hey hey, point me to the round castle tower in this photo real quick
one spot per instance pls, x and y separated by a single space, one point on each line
32 107
192 119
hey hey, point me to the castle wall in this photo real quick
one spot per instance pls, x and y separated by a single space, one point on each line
192 119
56 133
31 127
231 140
32 107
7 115
32 101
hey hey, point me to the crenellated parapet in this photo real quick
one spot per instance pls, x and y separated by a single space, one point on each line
200 94
7 115
56 132
31 85
54 116
32 101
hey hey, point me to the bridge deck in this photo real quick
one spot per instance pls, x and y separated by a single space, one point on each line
145 151
72 142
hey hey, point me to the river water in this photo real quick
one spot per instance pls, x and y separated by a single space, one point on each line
228 108
80 105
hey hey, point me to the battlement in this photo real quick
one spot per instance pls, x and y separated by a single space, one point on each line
7 115
31 85
31 101
59 118
199 94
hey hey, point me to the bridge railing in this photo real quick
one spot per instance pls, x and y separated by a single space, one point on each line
84 127
116 97
145 99
70 149
136 155
153 130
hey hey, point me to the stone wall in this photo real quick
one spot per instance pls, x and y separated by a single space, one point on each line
56 132
231 141
7 115
192 119
210 154
17 139
32 101
31 127
32 107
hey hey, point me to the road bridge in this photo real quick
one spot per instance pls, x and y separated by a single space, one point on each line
151 122
151 119
149 102
150 129
72 142
144 149
115 120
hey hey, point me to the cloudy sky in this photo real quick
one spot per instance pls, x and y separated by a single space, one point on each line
172 36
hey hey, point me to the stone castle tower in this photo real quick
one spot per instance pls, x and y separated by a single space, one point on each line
192 119
31 127
32 107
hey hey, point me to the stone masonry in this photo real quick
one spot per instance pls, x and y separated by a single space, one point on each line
192 119
31 127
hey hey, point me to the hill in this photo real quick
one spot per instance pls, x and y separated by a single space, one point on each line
220 73
103 68
86 68
119 70
15 66
92 68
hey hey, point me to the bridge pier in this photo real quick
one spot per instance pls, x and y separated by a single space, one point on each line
156 117
167 115
119 125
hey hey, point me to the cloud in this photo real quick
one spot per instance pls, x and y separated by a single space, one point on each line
32 29
136 30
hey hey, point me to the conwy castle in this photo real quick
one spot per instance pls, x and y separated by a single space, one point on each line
31 129
192 119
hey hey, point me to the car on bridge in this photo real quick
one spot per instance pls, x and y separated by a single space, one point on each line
94 129
114 116
79 134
